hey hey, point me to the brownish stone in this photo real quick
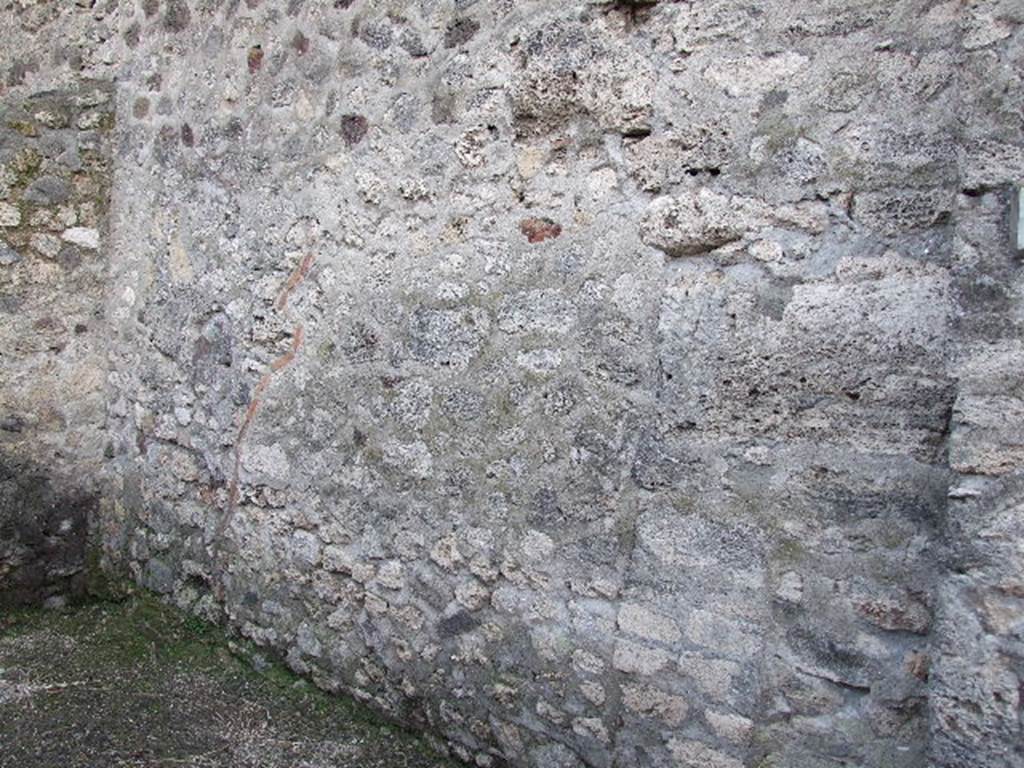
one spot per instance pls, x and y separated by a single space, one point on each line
255 59
354 128
537 230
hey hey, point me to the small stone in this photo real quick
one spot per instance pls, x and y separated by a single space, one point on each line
729 727
45 245
391 575
375 605
158 577
650 702
89 121
56 118
459 32
537 546
42 219
590 727
696 754
84 237
446 553
549 712
12 424
791 588
593 692
714 677
47 190
93 98
637 659
255 59
470 146
354 129
66 216
363 572
637 620
690 225
726 636
337 560
377 34
307 642
896 614
918 664
8 256
587 662
177 16
10 216
472 595
412 43
537 230
305 549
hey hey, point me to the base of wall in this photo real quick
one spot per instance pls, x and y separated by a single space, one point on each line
43 537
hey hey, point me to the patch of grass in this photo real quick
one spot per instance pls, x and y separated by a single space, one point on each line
148 652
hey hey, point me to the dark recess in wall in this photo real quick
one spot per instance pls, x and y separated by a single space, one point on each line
43 535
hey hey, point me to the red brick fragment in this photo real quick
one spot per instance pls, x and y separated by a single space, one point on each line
537 230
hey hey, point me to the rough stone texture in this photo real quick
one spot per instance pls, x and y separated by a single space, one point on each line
55 174
601 383
42 538
977 695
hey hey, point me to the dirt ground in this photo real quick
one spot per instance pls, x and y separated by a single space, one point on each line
135 684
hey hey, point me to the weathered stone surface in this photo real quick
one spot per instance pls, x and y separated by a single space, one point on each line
610 383
691 225
85 237
42 535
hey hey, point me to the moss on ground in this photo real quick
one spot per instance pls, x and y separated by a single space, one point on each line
137 683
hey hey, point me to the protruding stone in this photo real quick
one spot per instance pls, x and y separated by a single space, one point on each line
691 224
84 237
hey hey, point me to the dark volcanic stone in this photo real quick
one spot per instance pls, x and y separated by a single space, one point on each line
459 32
177 16
354 128
47 190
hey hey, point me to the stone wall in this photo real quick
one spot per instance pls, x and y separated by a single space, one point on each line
977 699
54 192
608 384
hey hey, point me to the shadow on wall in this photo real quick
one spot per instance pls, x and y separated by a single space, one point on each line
43 535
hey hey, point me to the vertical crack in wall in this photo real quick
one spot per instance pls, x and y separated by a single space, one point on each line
256 398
